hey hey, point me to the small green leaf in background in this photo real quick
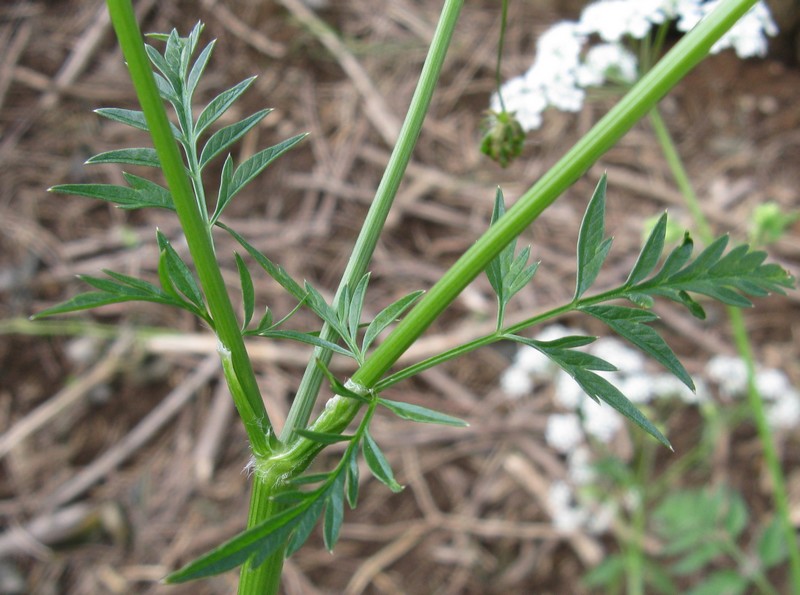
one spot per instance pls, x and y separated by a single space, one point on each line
721 582
592 249
378 464
769 223
771 546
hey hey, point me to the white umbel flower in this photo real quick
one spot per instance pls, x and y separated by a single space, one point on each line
567 515
612 20
729 373
601 421
563 432
516 382
784 413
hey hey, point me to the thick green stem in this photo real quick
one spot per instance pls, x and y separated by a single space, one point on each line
745 349
642 98
248 402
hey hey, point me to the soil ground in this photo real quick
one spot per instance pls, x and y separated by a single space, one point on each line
473 517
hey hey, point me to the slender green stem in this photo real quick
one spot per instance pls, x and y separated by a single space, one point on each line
681 176
381 205
500 43
484 341
309 387
248 402
642 98
745 349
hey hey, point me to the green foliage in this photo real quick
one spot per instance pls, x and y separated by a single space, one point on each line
699 531
724 277
769 223
300 501
508 273
305 507
592 248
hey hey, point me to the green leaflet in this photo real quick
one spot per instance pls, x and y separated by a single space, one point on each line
225 137
378 464
259 542
273 270
142 156
387 316
508 274
650 254
220 104
579 365
306 338
141 194
421 414
334 512
248 291
178 273
631 323
592 248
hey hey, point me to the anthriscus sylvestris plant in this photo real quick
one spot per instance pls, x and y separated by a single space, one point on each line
286 503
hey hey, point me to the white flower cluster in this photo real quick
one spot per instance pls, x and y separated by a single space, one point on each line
564 68
782 400
568 432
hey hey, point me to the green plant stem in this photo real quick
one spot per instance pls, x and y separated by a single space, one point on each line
381 205
745 349
248 401
642 98
311 382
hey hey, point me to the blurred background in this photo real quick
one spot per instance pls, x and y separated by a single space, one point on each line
120 456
